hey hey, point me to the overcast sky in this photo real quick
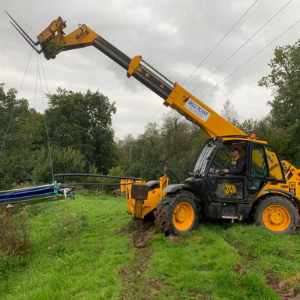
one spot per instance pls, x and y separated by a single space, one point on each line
174 36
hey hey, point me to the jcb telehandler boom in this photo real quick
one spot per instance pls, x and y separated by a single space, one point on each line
267 190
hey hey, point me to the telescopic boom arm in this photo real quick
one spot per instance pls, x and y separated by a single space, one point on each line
53 40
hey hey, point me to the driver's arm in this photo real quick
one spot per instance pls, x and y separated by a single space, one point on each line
239 167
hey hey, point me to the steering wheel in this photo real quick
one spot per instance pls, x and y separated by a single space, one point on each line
217 165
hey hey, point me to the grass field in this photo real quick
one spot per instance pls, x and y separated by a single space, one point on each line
75 253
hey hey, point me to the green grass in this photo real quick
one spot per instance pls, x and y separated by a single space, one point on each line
75 254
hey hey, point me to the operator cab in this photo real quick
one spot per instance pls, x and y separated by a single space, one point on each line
229 195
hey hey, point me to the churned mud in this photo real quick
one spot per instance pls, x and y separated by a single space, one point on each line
140 232
239 269
282 289
141 240
143 288
174 239
121 230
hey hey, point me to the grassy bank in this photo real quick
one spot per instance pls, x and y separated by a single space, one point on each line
75 254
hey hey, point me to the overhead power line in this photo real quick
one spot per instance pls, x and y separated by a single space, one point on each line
251 58
231 54
150 119
219 42
208 54
236 51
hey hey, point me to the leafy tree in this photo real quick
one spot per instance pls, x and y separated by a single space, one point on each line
140 156
125 147
248 126
83 121
66 160
284 81
265 129
182 141
177 139
16 129
230 113
147 152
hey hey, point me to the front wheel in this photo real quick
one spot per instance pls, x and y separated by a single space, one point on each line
278 215
177 214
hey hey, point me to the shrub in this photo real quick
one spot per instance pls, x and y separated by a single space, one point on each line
13 230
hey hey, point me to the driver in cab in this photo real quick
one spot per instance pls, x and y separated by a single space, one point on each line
236 164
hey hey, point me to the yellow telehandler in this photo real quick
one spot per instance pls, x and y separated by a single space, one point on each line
267 190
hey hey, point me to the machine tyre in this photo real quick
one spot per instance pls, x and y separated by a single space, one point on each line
162 215
176 214
278 215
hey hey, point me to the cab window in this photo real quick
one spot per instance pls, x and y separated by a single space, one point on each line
273 164
259 165
223 156
265 163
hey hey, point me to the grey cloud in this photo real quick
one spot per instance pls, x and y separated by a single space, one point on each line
172 35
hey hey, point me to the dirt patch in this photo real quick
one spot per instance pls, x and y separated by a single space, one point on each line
141 234
282 289
174 239
141 240
124 272
294 280
121 230
142 256
134 226
201 296
139 225
198 239
239 269
248 256
155 285
130 275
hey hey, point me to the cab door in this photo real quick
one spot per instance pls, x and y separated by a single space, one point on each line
265 166
229 188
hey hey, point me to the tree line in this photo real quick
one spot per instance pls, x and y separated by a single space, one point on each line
81 138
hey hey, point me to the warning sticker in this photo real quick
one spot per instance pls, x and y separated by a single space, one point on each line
197 110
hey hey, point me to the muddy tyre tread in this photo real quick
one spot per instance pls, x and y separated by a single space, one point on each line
163 217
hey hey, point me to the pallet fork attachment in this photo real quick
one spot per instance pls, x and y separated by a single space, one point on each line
26 37
53 40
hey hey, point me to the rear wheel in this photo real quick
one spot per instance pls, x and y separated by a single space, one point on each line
278 215
177 214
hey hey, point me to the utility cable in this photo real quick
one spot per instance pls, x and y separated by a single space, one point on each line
55 117
46 125
236 51
209 53
220 42
251 58
32 124
151 118
14 107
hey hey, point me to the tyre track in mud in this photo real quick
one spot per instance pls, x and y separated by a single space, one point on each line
283 289
138 286
135 285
